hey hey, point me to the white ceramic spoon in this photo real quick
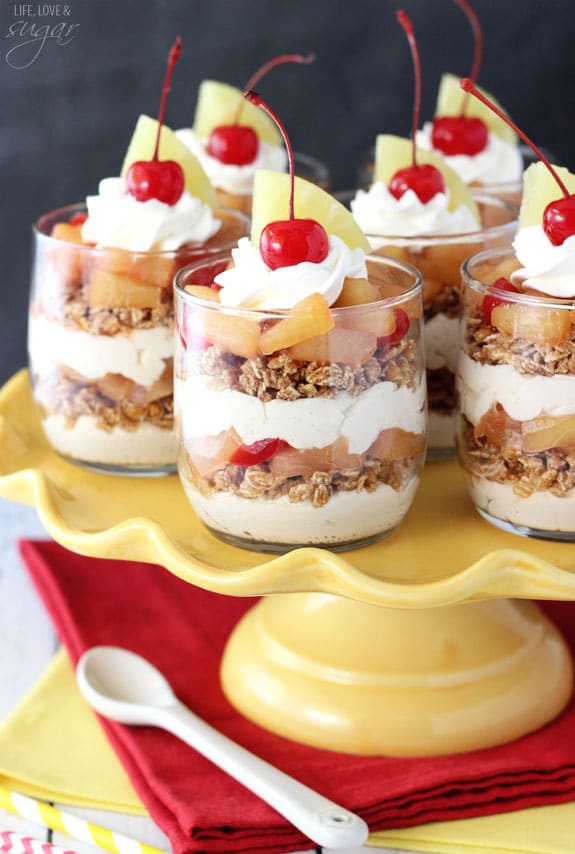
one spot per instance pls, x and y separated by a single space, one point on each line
125 687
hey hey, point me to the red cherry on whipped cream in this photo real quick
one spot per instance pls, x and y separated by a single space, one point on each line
284 243
463 134
159 179
238 144
559 220
426 181
459 135
559 215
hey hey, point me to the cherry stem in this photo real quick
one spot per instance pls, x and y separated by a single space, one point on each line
173 56
261 72
256 99
478 45
405 22
470 87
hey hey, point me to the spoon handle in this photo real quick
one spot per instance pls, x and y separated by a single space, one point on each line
320 819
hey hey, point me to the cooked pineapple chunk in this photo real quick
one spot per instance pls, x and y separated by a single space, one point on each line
346 346
150 269
541 325
498 428
292 462
443 261
108 290
397 444
69 232
378 322
237 335
356 292
310 317
543 433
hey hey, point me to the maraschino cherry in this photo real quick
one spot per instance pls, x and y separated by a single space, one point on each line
463 134
284 243
559 215
426 181
238 144
159 179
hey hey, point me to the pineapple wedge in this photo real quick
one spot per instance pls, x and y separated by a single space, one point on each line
450 99
540 188
393 153
218 104
271 203
142 146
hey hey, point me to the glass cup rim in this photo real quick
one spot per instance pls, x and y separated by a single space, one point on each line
80 207
481 287
416 288
492 231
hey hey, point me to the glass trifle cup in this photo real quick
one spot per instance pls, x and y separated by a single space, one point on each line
101 342
317 443
516 392
439 258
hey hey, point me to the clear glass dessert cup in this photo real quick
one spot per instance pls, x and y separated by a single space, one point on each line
101 342
292 438
516 409
439 259
307 167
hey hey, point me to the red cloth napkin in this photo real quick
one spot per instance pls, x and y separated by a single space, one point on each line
183 630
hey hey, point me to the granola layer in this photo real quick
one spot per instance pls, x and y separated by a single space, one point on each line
488 346
60 395
446 301
551 470
279 377
75 313
259 482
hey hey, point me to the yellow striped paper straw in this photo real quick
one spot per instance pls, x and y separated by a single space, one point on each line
78 828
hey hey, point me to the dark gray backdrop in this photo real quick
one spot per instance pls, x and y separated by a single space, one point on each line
68 115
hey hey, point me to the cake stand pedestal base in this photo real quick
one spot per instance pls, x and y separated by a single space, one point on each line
334 673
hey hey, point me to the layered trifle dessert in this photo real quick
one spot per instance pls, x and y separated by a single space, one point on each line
420 211
101 323
232 139
481 148
516 377
300 394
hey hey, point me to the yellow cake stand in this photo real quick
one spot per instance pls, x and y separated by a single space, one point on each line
420 644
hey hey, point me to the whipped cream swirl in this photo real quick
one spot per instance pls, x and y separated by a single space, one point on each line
229 177
499 162
546 268
380 214
252 284
117 219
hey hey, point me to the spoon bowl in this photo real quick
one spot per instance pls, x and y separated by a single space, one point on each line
118 683
127 688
